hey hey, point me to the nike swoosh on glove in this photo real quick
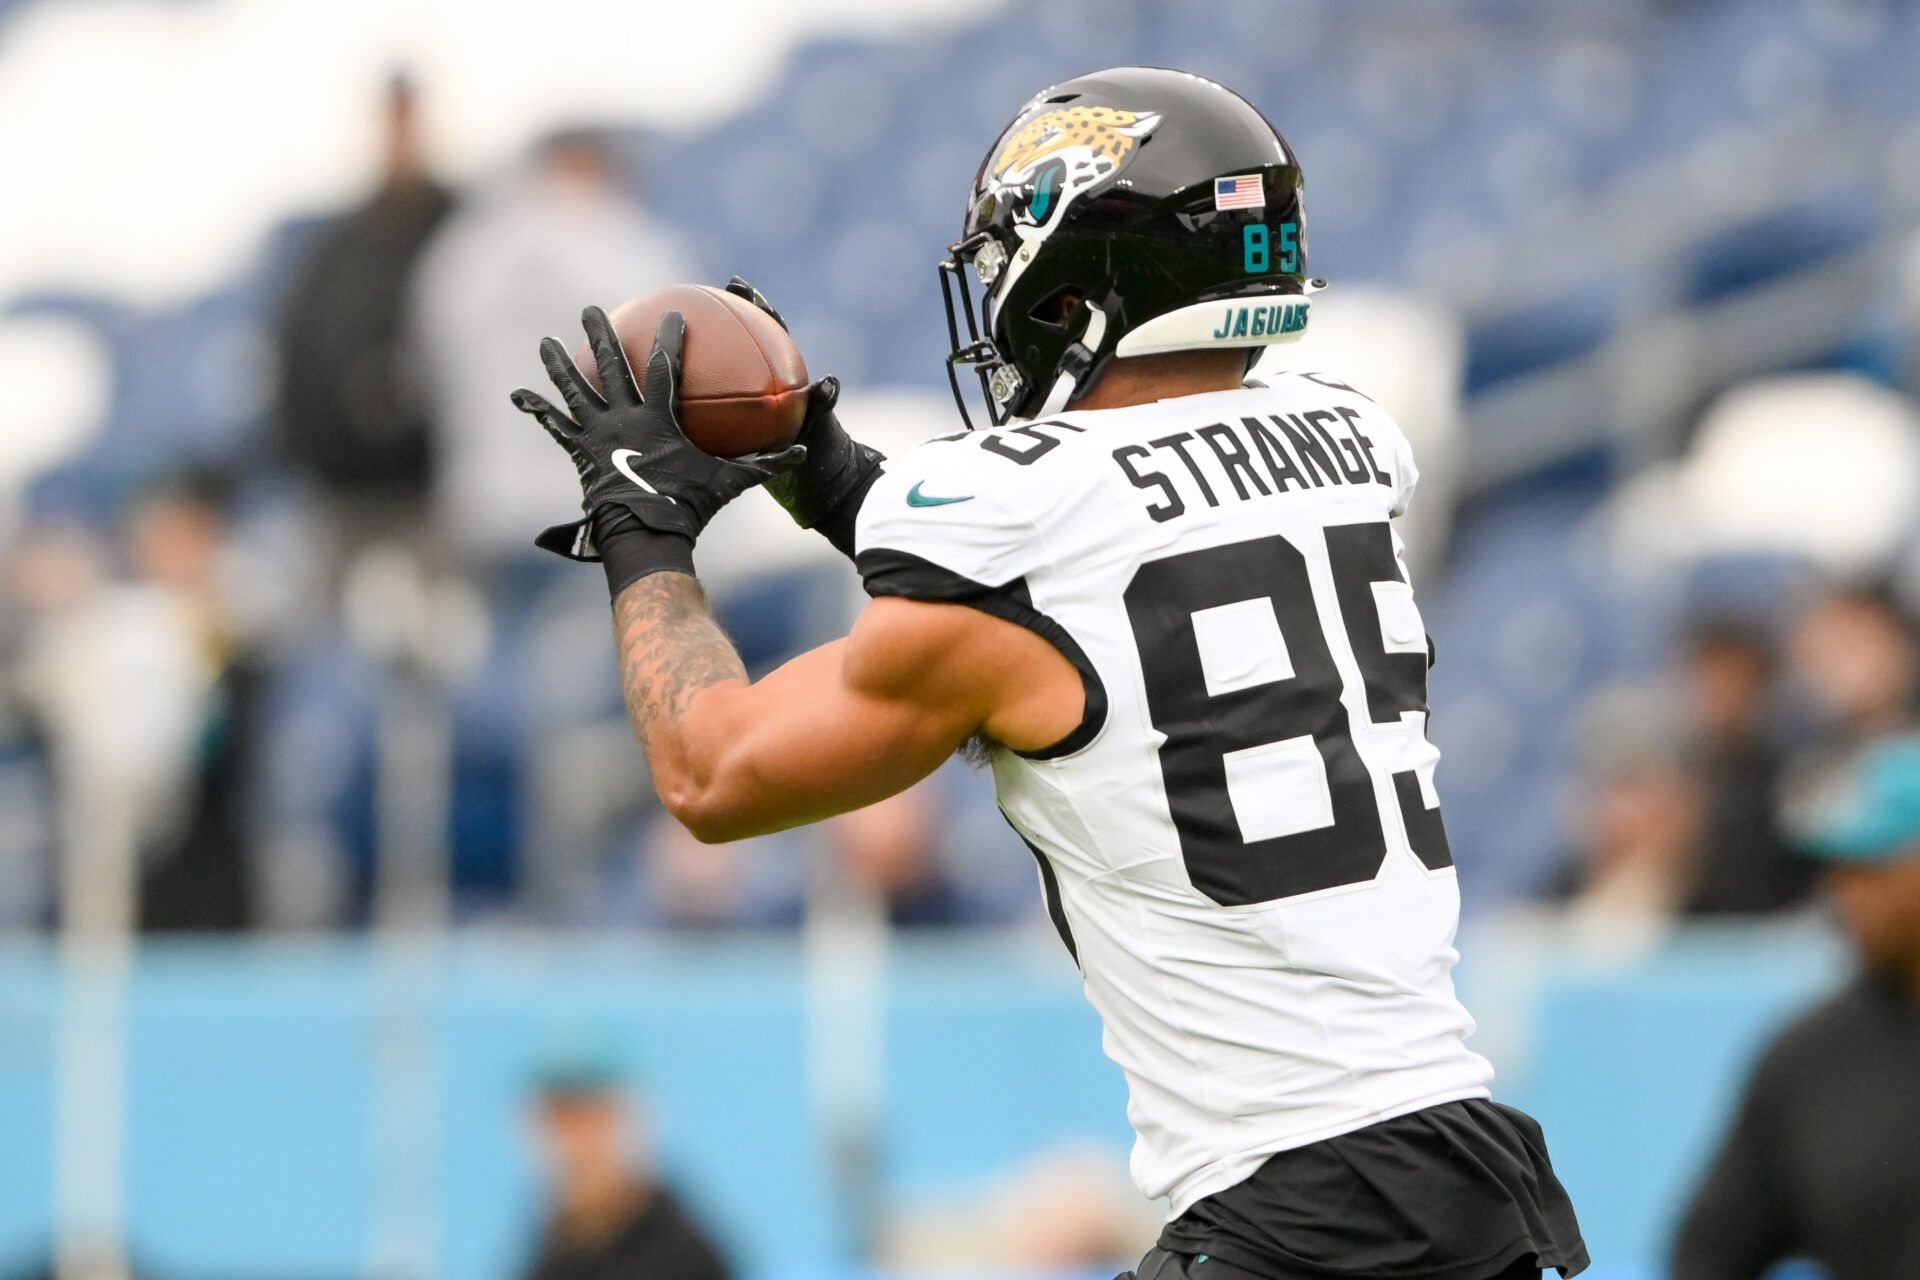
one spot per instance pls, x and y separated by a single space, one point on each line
635 463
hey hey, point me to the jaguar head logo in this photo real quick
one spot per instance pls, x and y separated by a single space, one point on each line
1044 164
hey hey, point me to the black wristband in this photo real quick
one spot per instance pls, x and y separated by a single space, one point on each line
837 524
629 551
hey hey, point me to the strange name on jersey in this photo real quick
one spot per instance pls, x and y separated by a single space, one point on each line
1240 843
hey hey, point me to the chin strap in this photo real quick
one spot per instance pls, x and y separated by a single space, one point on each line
1075 365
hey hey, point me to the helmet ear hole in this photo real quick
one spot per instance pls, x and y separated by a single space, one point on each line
1056 309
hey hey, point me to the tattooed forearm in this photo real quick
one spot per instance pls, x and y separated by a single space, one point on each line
670 649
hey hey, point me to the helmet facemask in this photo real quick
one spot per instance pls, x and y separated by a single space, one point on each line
960 273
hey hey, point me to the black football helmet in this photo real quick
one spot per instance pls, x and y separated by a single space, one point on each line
1125 212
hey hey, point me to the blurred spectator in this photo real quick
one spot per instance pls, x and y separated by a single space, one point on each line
143 692
351 416
937 855
52 572
196 874
1823 1159
1069 1210
889 850
609 1216
141 703
666 878
1855 654
1638 820
1072 1214
1742 865
517 263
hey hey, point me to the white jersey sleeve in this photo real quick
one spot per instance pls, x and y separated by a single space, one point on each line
938 504
956 521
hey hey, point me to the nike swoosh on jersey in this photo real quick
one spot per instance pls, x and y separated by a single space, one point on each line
915 498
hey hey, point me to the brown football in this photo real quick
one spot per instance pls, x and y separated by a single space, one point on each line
743 385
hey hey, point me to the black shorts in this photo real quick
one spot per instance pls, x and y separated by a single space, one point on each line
1461 1191
1161 1265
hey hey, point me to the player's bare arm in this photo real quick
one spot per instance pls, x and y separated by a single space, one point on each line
836 728
671 650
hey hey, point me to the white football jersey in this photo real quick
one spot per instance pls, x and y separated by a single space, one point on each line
1240 843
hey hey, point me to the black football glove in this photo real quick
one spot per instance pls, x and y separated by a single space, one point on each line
825 491
637 467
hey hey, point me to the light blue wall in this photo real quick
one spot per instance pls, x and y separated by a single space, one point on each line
254 1122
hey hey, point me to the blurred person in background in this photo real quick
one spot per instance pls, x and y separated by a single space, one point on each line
1067 1210
887 858
1637 823
664 878
516 259
53 570
609 1215
196 874
1742 865
1855 654
891 850
1822 1161
1071 1214
144 699
352 418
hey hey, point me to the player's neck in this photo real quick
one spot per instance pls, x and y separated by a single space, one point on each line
1144 379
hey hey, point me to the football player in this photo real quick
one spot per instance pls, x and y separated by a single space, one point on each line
1169 606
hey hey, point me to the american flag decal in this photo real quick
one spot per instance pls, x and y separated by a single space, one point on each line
1243 192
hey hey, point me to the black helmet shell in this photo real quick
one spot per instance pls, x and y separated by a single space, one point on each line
1142 192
